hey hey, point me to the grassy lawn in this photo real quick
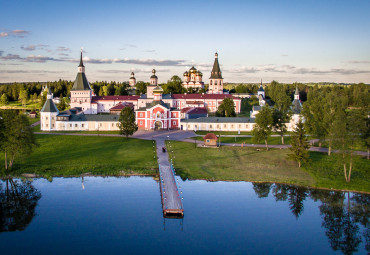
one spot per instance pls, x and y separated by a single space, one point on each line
237 164
18 105
328 171
247 164
74 155
272 140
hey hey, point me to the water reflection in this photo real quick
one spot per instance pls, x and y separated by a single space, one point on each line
342 213
18 201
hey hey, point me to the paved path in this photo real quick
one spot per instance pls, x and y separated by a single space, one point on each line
171 200
35 124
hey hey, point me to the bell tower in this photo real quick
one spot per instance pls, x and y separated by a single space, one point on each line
216 82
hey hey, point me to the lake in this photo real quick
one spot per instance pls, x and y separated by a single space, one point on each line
112 215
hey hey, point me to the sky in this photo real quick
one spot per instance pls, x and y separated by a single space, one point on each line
287 41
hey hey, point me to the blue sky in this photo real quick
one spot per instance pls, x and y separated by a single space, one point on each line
283 40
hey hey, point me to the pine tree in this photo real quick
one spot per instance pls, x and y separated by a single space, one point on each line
299 144
127 125
263 127
4 99
62 105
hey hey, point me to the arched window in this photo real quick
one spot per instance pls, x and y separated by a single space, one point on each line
210 82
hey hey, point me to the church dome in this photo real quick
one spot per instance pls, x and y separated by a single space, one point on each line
193 69
186 73
158 89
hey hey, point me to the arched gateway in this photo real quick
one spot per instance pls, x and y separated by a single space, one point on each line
158 125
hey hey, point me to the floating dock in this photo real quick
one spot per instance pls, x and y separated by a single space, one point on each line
171 199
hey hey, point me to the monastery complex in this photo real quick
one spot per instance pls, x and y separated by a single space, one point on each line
153 110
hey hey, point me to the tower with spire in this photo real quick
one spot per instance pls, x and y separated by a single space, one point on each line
216 82
81 92
48 113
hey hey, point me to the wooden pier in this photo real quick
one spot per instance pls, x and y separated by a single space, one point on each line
171 199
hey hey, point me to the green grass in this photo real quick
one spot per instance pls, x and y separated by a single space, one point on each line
237 164
18 105
328 171
74 155
273 140
31 120
248 164
357 147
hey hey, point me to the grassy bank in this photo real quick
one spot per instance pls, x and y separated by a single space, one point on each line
247 164
74 155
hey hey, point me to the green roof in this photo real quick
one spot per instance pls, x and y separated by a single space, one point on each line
158 89
81 62
49 106
154 103
216 71
81 82
220 120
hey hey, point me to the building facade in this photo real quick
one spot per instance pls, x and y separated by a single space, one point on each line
193 79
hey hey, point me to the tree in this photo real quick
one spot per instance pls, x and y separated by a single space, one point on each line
262 128
141 87
226 108
174 86
18 137
347 129
299 144
281 112
23 96
127 125
62 104
18 201
313 113
101 91
4 99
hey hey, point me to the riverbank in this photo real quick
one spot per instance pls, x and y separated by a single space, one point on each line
248 164
76 155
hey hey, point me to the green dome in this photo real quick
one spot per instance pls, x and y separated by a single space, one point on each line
158 89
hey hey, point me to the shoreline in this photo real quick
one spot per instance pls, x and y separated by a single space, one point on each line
34 176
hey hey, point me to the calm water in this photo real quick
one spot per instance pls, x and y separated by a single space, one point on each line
123 216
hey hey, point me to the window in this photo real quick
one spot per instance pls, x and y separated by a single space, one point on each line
82 125
100 124
218 126
210 82
215 82
210 126
47 125
141 122
173 122
53 125
75 125
46 118
70 125
224 125
112 124
207 140
117 124
52 118
141 114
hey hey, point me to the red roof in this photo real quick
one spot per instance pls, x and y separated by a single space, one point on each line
194 102
210 136
195 110
202 96
119 107
33 112
114 98
186 109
